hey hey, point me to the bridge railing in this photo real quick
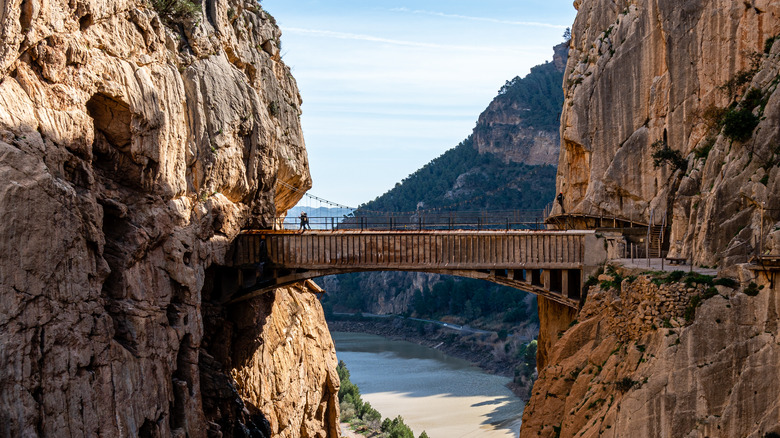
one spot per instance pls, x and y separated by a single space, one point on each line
493 220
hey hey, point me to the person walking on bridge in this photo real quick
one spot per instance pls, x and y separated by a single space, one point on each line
559 198
304 221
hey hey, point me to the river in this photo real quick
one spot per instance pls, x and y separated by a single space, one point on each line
445 396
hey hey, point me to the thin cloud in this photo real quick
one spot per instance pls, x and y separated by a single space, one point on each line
370 38
483 19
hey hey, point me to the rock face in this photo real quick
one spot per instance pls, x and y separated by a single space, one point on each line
133 147
521 127
632 366
647 78
670 117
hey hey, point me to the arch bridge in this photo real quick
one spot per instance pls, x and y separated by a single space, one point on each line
552 264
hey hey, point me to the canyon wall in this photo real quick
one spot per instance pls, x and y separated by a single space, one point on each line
671 111
671 116
135 143
520 126
643 359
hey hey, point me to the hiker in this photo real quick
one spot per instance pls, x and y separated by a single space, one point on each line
559 198
304 221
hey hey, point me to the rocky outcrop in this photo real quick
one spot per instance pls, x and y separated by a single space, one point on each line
521 123
133 147
670 117
645 360
672 112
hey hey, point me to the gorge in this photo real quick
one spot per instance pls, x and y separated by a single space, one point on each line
138 141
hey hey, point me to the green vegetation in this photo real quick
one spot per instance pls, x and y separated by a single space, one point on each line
465 298
526 356
616 281
739 123
689 278
540 92
362 417
624 384
728 282
767 48
488 183
752 289
663 154
472 299
173 12
273 108
703 151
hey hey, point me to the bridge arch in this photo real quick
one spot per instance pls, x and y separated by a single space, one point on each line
552 264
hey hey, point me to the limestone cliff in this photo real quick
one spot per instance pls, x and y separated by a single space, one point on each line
521 124
670 117
135 143
694 87
644 360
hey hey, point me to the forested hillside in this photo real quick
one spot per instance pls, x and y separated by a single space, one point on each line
464 179
506 164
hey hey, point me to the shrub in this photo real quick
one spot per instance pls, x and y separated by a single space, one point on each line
709 293
273 108
753 98
728 282
713 116
695 278
738 124
752 289
664 154
768 48
675 276
625 384
174 12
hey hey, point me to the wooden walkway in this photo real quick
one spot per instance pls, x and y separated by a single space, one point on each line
549 263
405 250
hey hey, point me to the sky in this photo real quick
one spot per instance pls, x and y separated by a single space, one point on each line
388 85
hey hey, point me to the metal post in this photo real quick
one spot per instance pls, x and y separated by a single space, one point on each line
507 223
647 251
419 222
760 245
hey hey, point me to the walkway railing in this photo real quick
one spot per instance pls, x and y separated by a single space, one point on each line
492 220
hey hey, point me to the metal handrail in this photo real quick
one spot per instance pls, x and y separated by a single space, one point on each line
512 220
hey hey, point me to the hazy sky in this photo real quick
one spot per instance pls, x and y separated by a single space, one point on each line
388 85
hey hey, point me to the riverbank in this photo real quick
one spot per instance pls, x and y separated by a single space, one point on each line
430 390
482 349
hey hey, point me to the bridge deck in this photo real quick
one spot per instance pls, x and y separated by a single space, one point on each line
409 250
548 263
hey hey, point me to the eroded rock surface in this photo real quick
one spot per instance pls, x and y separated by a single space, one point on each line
511 126
132 151
633 365
671 113
645 75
